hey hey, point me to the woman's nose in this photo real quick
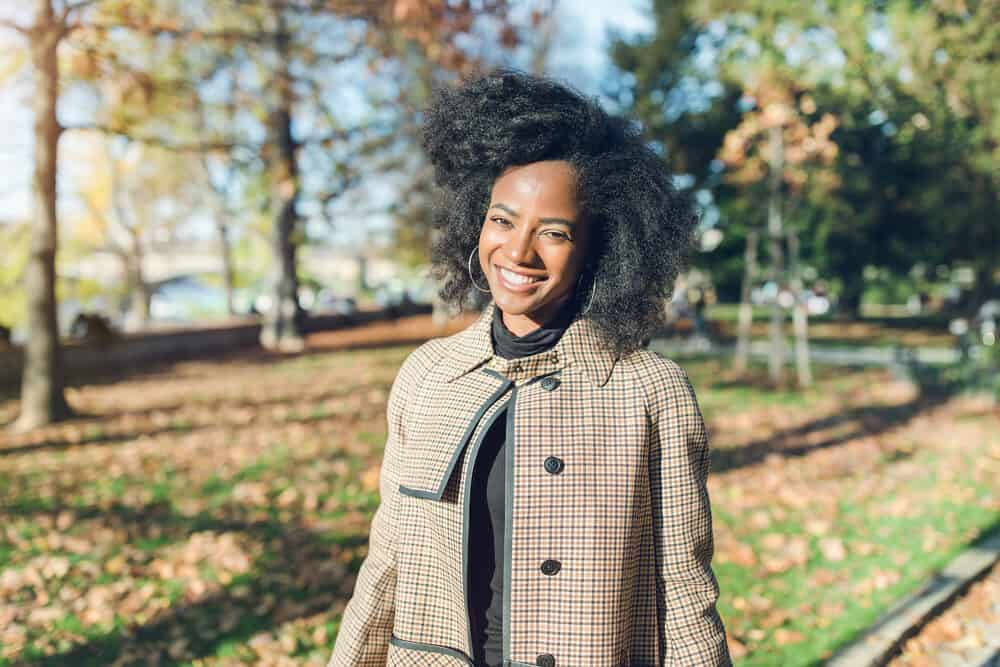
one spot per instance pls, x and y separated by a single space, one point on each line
520 248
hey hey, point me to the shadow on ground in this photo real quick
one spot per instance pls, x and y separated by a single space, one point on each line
868 420
299 575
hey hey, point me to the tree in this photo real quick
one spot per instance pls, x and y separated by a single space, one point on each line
55 23
135 196
43 398
913 87
777 144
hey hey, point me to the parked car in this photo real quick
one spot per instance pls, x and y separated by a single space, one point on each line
186 299
327 302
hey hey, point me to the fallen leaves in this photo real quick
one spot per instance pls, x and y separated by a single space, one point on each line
227 503
833 549
783 552
784 637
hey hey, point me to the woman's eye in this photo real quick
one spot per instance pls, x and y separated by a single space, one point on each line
504 222
558 235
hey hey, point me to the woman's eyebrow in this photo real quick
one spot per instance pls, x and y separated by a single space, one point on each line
508 209
548 221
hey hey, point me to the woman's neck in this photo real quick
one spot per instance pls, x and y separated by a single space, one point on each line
521 325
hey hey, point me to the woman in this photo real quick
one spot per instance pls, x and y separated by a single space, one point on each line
543 483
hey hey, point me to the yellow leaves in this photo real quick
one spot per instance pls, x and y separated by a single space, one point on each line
115 566
370 478
12 639
83 65
12 60
288 497
783 552
833 549
784 636
805 148
776 114
807 105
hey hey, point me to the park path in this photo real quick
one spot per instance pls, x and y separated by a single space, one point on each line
827 353
966 634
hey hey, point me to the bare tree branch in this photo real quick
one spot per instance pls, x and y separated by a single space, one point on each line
71 7
361 9
163 142
254 36
7 23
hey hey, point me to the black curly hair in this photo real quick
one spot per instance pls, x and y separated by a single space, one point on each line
641 227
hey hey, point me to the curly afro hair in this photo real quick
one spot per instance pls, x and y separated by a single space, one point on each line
641 226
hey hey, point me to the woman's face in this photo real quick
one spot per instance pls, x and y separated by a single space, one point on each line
533 242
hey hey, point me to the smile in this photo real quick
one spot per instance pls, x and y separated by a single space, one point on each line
513 279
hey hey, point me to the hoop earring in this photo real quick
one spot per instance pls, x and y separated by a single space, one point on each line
470 273
593 288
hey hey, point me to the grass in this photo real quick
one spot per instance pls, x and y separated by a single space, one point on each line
213 513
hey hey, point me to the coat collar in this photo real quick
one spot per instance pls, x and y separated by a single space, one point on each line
580 345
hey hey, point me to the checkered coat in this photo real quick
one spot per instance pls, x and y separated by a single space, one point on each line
623 526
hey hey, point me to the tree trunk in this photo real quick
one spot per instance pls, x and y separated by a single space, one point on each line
849 302
138 290
746 308
545 34
281 328
774 227
228 270
42 396
800 313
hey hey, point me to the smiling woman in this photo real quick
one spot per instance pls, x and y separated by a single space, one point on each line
533 243
543 484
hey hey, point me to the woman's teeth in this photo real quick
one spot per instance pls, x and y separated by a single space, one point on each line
516 278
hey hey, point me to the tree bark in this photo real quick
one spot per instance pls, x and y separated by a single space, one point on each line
43 400
800 313
775 233
138 289
849 302
281 328
226 255
746 308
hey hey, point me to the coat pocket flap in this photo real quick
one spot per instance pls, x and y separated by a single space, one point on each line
437 438
408 654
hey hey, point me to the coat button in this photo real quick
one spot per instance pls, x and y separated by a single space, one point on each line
553 465
550 567
515 368
549 383
546 660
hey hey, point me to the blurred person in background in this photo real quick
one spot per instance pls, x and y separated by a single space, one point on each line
543 487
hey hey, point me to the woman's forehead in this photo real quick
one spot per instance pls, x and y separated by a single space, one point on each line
551 184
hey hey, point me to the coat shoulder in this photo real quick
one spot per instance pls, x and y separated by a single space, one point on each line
652 368
420 361
661 379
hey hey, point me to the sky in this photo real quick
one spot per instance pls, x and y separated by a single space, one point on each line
579 56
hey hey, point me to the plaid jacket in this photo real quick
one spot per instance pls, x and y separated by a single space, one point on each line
608 550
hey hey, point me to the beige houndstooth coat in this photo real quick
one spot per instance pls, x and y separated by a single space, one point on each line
625 516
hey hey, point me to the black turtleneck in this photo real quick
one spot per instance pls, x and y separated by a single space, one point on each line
486 522
509 346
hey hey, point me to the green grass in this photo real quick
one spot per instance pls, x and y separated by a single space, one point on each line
149 513
900 549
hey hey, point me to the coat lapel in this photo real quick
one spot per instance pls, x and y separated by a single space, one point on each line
580 345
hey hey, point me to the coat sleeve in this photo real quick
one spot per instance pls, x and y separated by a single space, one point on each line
363 637
691 631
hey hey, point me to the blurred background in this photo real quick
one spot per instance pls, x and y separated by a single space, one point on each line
213 258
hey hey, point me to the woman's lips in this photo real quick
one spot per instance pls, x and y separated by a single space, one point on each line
516 287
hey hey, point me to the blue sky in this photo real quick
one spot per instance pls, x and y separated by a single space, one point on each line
579 56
